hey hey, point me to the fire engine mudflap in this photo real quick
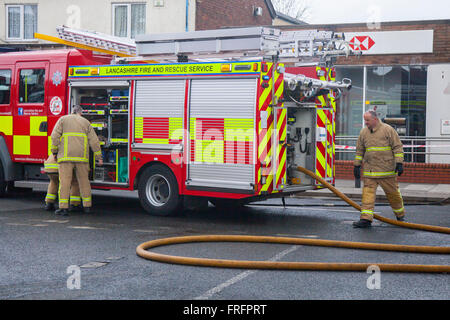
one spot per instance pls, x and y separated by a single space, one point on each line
225 132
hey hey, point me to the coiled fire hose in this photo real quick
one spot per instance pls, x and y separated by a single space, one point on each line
142 249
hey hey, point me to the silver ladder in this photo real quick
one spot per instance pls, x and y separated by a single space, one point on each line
245 43
221 44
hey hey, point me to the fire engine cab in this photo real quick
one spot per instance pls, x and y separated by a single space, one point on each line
224 116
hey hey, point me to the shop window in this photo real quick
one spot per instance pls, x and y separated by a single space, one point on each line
21 21
5 86
349 108
396 93
31 86
128 19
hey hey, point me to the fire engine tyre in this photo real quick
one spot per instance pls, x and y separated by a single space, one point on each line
158 191
3 183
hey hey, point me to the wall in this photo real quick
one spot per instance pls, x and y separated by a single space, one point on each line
441 43
215 14
435 173
96 15
438 103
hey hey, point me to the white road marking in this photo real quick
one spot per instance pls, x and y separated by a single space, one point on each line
208 294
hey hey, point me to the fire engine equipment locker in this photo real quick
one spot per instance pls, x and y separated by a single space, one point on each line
221 125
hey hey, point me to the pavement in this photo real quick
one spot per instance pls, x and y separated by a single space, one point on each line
411 192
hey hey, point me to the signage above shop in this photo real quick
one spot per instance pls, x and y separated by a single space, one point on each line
391 42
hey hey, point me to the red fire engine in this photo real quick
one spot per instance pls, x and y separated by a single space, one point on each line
226 130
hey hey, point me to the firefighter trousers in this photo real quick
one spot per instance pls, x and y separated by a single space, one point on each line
390 188
67 170
53 186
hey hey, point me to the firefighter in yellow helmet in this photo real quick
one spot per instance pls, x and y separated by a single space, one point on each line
51 168
71 138
380 152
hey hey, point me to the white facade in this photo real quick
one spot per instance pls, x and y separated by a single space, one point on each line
438 111
18 16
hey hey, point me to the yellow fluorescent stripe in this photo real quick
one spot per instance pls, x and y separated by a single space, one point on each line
265 140
155 141
74 134
321 158
322 115
281 164
6 125
192 127
379 149
21 145
378 174
51 166
35 122
268 183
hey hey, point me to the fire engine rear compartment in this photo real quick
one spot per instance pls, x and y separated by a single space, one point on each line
212 122
105 105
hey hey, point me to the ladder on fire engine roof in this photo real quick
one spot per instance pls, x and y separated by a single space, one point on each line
209 45
245 42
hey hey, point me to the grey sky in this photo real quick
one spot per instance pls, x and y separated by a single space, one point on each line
349 11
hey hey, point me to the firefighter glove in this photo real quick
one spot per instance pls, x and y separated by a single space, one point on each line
357 172
399 169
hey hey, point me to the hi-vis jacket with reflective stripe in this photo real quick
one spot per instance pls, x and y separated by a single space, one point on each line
50 165
379 150
71 138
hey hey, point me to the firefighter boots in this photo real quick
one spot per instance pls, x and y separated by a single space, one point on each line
49 206
362 223
62 212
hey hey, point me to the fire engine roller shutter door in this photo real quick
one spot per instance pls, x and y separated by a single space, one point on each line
222 129
159 106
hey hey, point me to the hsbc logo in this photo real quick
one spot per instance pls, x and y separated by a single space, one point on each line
361 43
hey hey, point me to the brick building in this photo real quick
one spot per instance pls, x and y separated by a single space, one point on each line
215 14
403 73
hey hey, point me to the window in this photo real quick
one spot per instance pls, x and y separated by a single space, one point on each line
21 21
5 86
31 86
128 19
397 93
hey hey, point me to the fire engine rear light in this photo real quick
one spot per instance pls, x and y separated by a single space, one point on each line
71 72
95 71
264 67
225 67
266 78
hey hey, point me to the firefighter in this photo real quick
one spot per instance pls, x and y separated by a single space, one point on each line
51 168
71 138
380 151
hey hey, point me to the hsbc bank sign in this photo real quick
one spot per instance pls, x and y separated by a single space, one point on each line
391 42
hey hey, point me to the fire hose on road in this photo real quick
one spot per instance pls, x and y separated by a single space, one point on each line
142 249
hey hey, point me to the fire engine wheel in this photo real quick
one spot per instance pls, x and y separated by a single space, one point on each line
158 191
3 183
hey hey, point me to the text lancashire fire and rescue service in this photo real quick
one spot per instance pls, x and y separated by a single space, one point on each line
171 69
